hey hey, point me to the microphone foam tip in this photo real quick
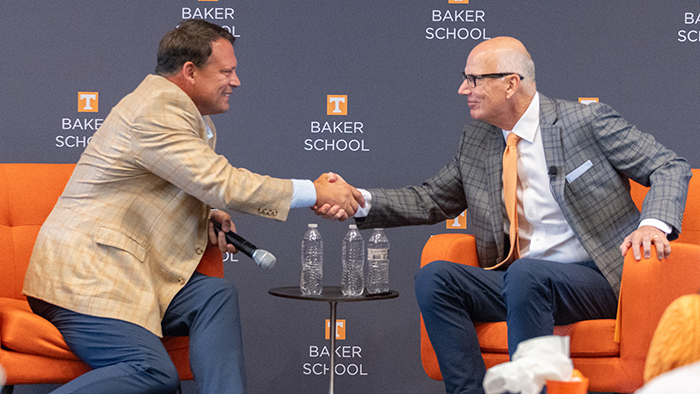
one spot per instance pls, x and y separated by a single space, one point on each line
264 258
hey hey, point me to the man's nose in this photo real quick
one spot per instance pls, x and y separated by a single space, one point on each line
235 82
464 88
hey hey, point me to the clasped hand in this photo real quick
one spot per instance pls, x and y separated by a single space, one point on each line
335 198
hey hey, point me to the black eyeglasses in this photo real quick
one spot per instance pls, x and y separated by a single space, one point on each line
472 79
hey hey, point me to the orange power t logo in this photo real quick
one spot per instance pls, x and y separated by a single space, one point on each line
88 101
336 105
588 100
460 222
339 329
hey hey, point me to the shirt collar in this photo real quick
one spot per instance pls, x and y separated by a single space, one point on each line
528 123
210 133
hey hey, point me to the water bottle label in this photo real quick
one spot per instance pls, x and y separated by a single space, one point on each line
377 254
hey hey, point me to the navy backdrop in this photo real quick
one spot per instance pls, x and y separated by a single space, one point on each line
65 64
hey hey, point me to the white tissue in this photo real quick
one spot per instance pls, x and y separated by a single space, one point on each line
534 362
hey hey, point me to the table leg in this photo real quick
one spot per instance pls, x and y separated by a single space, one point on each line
334 305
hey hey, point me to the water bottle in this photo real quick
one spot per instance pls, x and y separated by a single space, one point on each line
312 261
378 262
353 281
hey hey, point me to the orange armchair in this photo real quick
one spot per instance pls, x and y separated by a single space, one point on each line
32 350
648 287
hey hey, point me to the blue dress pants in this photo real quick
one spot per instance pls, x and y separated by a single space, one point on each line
126 358
532 296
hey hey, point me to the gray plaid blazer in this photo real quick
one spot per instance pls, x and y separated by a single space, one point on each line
597 205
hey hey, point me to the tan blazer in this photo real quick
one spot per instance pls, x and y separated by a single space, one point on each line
130 227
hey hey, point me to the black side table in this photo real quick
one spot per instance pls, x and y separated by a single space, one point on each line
332 295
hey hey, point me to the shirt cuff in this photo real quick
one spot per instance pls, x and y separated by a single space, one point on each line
658 224
304 195
363 212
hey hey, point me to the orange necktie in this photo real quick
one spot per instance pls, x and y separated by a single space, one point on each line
510 188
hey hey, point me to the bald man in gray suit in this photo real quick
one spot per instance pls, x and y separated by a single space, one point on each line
576 218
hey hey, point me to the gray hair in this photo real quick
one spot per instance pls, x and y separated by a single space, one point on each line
518 62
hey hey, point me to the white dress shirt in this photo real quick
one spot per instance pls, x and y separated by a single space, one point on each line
304 195
544 232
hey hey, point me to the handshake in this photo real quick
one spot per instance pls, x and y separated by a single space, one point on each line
335 198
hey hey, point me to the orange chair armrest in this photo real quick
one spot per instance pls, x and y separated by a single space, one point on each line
457 248
648 287
212 262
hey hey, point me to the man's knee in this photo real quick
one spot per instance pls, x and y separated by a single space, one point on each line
222 290
430 279
431 274
526 270
159 376
525 278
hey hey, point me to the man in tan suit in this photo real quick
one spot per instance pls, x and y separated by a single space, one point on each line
114 264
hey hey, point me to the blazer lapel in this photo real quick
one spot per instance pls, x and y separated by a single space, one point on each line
553 149
494 178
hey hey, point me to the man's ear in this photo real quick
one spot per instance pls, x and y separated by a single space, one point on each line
187 71
513 85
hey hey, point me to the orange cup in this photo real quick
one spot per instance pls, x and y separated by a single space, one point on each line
570 387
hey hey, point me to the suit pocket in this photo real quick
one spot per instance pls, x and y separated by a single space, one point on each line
599 185
115 239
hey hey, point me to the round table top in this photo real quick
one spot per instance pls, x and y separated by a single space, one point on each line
330 293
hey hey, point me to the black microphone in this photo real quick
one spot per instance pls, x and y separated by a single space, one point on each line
552 172
262 257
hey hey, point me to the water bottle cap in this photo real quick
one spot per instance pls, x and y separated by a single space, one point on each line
353 226
313 225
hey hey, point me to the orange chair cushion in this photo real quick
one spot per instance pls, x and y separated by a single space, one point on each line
589 338
25 332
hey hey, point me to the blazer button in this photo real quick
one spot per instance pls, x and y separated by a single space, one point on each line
181 281
268 212
199 250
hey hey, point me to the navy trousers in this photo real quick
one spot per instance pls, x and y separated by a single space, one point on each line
532 296
127 358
